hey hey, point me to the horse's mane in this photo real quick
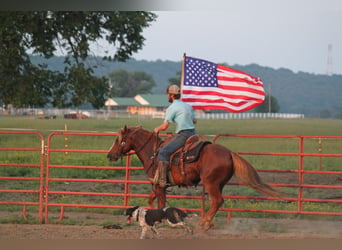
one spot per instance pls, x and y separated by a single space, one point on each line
133 129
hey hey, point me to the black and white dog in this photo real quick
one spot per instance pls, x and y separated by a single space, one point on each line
149 218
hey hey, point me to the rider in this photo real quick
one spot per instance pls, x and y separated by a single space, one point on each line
183 115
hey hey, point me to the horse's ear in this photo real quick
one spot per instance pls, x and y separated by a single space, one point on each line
123 130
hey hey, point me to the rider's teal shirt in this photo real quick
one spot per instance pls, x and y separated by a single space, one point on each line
180 113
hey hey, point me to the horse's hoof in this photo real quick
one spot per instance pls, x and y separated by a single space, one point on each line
205 226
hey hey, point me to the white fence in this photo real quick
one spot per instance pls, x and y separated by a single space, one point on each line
105 114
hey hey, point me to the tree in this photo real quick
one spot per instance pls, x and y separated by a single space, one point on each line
175 80
270 105
129 84
43 33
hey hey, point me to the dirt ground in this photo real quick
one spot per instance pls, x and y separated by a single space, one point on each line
238 228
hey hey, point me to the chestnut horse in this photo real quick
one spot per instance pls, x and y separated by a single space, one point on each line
215 166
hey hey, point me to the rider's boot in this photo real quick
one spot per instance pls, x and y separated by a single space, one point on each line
163 167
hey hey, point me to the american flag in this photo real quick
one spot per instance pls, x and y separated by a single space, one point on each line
208 85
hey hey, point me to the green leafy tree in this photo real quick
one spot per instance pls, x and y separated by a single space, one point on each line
129 84
175 80
43 33
270 105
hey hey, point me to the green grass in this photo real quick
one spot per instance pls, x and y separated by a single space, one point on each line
204 127
16 219
208 128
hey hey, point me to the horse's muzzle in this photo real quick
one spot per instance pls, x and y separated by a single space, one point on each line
112 156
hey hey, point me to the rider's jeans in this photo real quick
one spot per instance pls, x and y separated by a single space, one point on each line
175 143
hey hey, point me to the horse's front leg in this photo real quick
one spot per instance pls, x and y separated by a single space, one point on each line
161 197
151 198
160 194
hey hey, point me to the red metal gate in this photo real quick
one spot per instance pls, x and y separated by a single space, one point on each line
137 188
301 198
9 161
65 149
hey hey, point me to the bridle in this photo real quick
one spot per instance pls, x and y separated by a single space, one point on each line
153 157
123 143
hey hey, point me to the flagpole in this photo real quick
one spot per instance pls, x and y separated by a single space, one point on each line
182 73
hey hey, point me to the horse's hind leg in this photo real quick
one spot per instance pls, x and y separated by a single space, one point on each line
216 201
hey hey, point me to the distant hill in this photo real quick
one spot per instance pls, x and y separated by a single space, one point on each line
160 70
309 94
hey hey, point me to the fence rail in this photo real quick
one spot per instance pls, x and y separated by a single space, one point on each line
301 197
37 199
130 190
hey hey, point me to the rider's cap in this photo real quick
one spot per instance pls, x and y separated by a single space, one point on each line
173 89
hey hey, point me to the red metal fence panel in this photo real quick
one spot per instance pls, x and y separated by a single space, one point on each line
304 191
135 188
14 168
65 149
67 175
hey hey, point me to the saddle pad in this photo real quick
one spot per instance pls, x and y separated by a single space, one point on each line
192 155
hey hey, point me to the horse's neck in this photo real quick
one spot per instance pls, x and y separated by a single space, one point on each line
144 147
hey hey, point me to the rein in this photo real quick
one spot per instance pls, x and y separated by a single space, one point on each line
141 147
136 151
153 157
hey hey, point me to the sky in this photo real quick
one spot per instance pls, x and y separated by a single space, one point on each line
292 34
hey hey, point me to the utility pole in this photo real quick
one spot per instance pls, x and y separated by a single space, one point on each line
329 61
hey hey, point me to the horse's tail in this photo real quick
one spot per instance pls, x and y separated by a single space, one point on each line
246 173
